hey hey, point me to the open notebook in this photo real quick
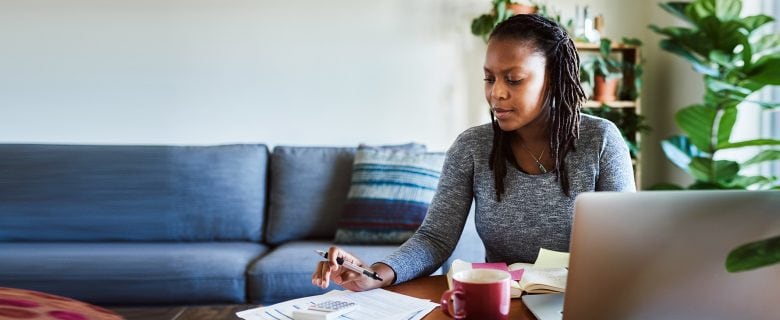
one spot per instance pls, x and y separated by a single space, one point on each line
546 275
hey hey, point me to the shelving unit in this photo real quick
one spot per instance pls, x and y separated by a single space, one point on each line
626 53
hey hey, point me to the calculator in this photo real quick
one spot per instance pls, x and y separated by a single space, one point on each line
325 310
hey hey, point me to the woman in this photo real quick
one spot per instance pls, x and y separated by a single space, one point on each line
523 170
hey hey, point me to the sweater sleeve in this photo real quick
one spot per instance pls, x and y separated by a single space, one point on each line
438 235
615 170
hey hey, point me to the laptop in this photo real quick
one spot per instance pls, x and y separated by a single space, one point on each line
661 255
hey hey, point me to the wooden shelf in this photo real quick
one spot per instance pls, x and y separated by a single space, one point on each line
595 46
628 53
611 104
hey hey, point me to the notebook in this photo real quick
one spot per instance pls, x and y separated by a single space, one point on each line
661 255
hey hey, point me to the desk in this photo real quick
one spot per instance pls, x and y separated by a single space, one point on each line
433 287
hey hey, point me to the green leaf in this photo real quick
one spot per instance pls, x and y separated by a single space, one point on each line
765 71
698 65
482 26
665 186
697 121
767 105
743 182
703 185
719 86
676 9
754 22
747 53
673 32
605 47
631 41
766 45
750 143
724 10
765 155
719 171
722 58
501 13
728 117
723 35
754 255
679 151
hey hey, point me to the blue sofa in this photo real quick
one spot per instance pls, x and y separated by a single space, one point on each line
150 225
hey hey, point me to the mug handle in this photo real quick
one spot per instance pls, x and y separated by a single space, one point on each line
460 312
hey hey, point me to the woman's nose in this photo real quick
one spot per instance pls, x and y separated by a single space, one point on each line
498 91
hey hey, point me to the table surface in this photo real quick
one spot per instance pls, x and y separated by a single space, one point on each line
427 288
432 288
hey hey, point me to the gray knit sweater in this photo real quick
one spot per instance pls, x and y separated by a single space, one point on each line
533 211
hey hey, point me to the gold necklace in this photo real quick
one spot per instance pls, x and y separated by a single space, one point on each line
538 161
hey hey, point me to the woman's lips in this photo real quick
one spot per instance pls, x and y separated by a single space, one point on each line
501 113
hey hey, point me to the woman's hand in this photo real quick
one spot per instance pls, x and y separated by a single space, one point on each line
351 280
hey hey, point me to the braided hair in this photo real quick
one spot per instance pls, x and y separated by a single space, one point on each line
563 94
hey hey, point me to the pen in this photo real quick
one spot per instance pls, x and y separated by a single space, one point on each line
350 266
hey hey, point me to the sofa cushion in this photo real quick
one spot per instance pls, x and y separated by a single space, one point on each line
389 195
131 273
308 186
147 193
285 273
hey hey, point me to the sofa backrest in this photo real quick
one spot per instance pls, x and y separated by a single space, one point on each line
308 188
132 193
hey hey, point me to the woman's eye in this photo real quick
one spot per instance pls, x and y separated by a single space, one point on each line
513 82
489 80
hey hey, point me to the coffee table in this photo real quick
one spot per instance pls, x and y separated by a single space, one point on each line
426 288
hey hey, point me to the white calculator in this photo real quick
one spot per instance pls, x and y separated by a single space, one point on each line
325 310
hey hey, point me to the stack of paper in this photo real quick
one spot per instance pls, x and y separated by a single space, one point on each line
377 304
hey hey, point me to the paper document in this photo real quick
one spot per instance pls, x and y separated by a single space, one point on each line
551 259
377 304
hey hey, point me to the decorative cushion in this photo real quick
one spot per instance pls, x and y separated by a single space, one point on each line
321 176
389 195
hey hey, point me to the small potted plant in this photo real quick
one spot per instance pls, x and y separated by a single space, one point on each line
483 25
602 72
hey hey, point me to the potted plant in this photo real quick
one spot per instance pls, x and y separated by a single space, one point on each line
483 25
734 62
601 72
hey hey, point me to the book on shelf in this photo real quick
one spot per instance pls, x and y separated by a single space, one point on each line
546 275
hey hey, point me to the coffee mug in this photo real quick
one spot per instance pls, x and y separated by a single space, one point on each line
478 294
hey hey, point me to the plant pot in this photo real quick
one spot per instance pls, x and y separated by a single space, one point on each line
605 90
521 8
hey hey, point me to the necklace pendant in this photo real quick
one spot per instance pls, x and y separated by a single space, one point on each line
542 168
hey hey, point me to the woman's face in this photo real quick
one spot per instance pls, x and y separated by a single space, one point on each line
514 83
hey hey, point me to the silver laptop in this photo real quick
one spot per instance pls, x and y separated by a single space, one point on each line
661 255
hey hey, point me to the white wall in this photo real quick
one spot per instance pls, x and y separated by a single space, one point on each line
300 72
216 71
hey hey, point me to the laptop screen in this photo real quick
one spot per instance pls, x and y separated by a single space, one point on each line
661 255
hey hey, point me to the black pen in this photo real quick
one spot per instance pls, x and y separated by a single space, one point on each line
350 266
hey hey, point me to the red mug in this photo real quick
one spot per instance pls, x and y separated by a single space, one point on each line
478 294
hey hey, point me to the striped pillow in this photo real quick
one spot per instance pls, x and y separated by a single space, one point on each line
389 195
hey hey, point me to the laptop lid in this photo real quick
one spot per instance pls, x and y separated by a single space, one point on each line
661 255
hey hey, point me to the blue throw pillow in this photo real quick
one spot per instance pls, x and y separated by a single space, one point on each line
389 195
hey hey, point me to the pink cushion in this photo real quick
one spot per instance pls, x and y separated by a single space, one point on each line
28 304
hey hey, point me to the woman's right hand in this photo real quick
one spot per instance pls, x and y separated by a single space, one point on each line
350 280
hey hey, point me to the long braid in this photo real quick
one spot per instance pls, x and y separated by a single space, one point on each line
564 95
